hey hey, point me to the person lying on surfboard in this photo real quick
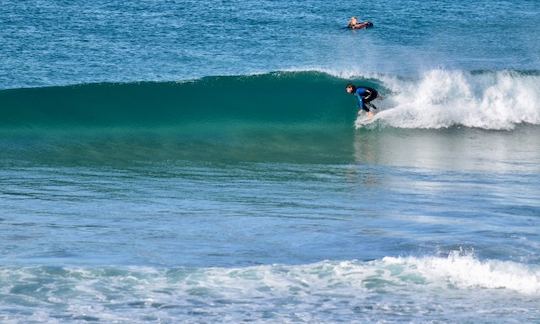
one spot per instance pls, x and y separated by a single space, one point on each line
364 95
355 24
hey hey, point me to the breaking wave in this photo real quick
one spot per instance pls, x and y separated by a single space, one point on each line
442 99
436 99
311 292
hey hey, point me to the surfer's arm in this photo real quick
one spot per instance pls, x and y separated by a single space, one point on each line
361 105
360 102
360 97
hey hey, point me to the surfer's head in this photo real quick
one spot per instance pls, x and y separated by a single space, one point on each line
350 88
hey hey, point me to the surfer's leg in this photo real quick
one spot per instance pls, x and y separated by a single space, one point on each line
370 105
364 105
370 97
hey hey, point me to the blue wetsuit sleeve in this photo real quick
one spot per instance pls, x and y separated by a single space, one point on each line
360 101
360 91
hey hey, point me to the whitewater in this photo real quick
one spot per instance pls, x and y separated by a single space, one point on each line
441 99
184 161
308 292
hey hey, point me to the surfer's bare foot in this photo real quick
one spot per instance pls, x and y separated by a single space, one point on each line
370 114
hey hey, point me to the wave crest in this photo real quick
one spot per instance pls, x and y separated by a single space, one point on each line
441 99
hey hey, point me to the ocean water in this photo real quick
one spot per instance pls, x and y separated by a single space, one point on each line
182 161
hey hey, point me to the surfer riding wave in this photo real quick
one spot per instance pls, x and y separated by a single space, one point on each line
364 95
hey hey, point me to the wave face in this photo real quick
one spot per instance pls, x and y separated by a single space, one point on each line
298 116
303 97
392 288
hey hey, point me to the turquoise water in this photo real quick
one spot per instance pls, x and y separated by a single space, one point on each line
179 161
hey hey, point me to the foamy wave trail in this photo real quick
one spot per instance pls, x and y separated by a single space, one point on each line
441 99
388 289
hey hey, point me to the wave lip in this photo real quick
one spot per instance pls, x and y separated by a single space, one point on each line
286 98
442 98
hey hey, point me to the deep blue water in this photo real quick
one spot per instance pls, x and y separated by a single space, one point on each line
64 42
256 197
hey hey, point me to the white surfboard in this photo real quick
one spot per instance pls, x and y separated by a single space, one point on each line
364 120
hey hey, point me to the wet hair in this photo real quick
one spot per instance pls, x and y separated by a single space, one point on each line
350 85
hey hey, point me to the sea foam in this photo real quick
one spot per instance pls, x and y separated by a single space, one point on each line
391 287
442 98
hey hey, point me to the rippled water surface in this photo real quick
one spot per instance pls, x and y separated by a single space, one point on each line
227 178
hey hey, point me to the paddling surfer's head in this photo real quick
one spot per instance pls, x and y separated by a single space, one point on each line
352 22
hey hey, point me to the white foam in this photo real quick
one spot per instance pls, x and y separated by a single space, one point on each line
442 98
465 271
324 291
